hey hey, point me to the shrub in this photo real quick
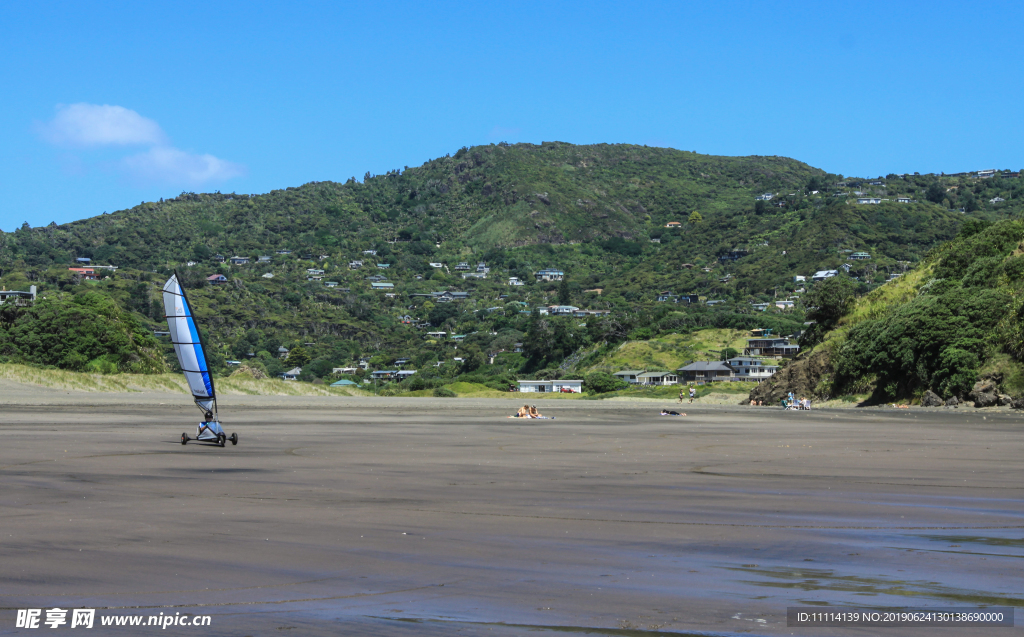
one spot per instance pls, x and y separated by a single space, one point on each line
442 392
603 382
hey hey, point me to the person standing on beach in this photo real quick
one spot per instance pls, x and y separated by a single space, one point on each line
681 395
693 393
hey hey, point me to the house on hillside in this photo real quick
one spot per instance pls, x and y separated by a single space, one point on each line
776 347
996 200
16 297
216 279
437 334
674 224
239 260
821 275
292 374
751 369
83 260
463 266
282 352
514 281
371 253
765 197
88 274
265 259
482 268
382 286
383 266
860 256
904 200
732 255
666 297
283 252
314 272
268 275
445 296
549 274
869 200
434 264
474 275
562 310
219 258
355 265
331 284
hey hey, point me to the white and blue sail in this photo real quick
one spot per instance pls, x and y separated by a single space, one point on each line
189 346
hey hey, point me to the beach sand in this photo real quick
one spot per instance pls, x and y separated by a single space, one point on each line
394 516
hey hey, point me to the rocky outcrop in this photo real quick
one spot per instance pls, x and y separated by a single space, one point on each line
985 393
1005 400
952 401
800 376
931 399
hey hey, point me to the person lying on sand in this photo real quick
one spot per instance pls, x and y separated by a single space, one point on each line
666 412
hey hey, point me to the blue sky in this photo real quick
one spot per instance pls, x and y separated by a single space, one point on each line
109 104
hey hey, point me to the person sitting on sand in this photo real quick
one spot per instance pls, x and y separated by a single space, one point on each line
536 414
666 412
524 412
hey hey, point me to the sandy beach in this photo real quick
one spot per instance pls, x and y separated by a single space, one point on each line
394 516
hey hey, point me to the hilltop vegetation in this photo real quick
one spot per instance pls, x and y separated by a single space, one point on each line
601 213
958 318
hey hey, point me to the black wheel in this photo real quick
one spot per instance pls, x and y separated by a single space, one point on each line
222 439
234 439
184 438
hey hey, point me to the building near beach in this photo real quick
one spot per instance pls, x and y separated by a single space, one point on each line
551 386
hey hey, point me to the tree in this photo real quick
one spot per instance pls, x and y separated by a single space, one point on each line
935 192
603 382
298 356
827 302
563 293
695 217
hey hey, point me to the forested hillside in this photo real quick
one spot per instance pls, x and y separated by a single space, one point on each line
624 223
954 322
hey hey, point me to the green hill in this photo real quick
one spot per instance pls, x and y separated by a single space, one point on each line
603 214
957 319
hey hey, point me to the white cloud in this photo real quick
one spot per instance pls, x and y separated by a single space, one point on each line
96 125
163 164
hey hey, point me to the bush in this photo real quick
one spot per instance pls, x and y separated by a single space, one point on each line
603 382
442 392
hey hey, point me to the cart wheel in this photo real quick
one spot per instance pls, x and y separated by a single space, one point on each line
184 438
222 440
234 439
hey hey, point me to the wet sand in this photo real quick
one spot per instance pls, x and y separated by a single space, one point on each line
430 516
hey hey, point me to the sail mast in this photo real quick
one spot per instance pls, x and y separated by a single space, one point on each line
202 344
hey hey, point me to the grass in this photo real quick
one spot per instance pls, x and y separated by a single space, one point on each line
671 351
174 383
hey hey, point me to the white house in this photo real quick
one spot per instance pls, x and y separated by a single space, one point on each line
765 197
631 376
996 200
549 274
751 369
514 280
799 278
657 378
436 265
903 200
821 275
869 200
292 374
551 386
344 370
